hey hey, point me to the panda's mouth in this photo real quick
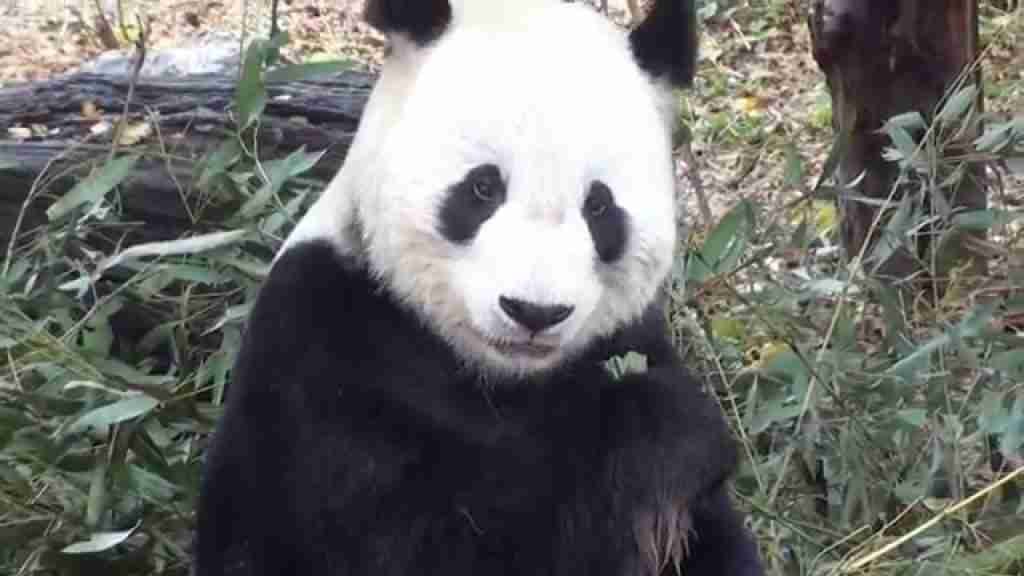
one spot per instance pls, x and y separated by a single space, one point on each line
533 349
528 349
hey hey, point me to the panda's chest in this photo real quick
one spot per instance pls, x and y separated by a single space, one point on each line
502 482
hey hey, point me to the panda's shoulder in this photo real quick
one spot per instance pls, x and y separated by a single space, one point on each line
320 320
309 284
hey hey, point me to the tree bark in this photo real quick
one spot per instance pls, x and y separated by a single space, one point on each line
883 58
190 117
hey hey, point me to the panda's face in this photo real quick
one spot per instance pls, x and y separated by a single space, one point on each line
513 184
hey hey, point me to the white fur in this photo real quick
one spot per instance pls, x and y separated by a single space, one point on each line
550 93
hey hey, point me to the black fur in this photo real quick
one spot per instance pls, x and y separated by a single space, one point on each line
470 202
665 44
423 21
353 443
608 223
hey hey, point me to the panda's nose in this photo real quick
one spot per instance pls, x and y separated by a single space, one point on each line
534 317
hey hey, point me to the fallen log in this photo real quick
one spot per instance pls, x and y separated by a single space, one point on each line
53 132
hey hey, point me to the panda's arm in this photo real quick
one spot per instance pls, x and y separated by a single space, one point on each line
670 456
284 444
719 542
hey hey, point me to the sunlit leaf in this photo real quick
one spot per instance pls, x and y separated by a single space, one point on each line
100 541
955 106
113 413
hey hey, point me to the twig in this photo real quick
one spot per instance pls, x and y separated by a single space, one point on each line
140 48
693 174
865 560
273 19
29 198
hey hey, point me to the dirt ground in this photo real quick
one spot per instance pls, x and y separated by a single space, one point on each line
45 37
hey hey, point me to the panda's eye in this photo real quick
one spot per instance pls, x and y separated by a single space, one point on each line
595 207
470 202
598 200
607 221
483 190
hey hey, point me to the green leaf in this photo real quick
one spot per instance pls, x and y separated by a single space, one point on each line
914 417
773 411
725 245
289 213
912 121
1010 363
100 541
182 247
278 172
955 107
903 142
993 415
95 187
113 413
1013 436
793 174
998 558
150 486
185 246
983 220
251 97
831 164
893 312
830 287
995 138
296 72
968 327
218 161
893 236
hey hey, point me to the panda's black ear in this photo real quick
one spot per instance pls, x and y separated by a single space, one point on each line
665 43
423 21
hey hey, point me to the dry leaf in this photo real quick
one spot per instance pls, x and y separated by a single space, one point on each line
100 128
90 111
132 134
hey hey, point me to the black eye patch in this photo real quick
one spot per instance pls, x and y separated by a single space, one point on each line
608 223
470 202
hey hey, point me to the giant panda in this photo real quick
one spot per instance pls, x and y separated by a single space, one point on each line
423 385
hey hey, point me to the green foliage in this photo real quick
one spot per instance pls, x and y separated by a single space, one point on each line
862 412
865 409
113 363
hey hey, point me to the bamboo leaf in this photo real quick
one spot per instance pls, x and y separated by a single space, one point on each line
956 105
296 72
100 541
95 187
114 413
251 97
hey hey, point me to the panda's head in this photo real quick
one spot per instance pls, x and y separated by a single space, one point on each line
511 180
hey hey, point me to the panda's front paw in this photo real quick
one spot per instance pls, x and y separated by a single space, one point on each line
667 438
670 456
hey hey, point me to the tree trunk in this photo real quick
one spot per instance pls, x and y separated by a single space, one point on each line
883 58
189 117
